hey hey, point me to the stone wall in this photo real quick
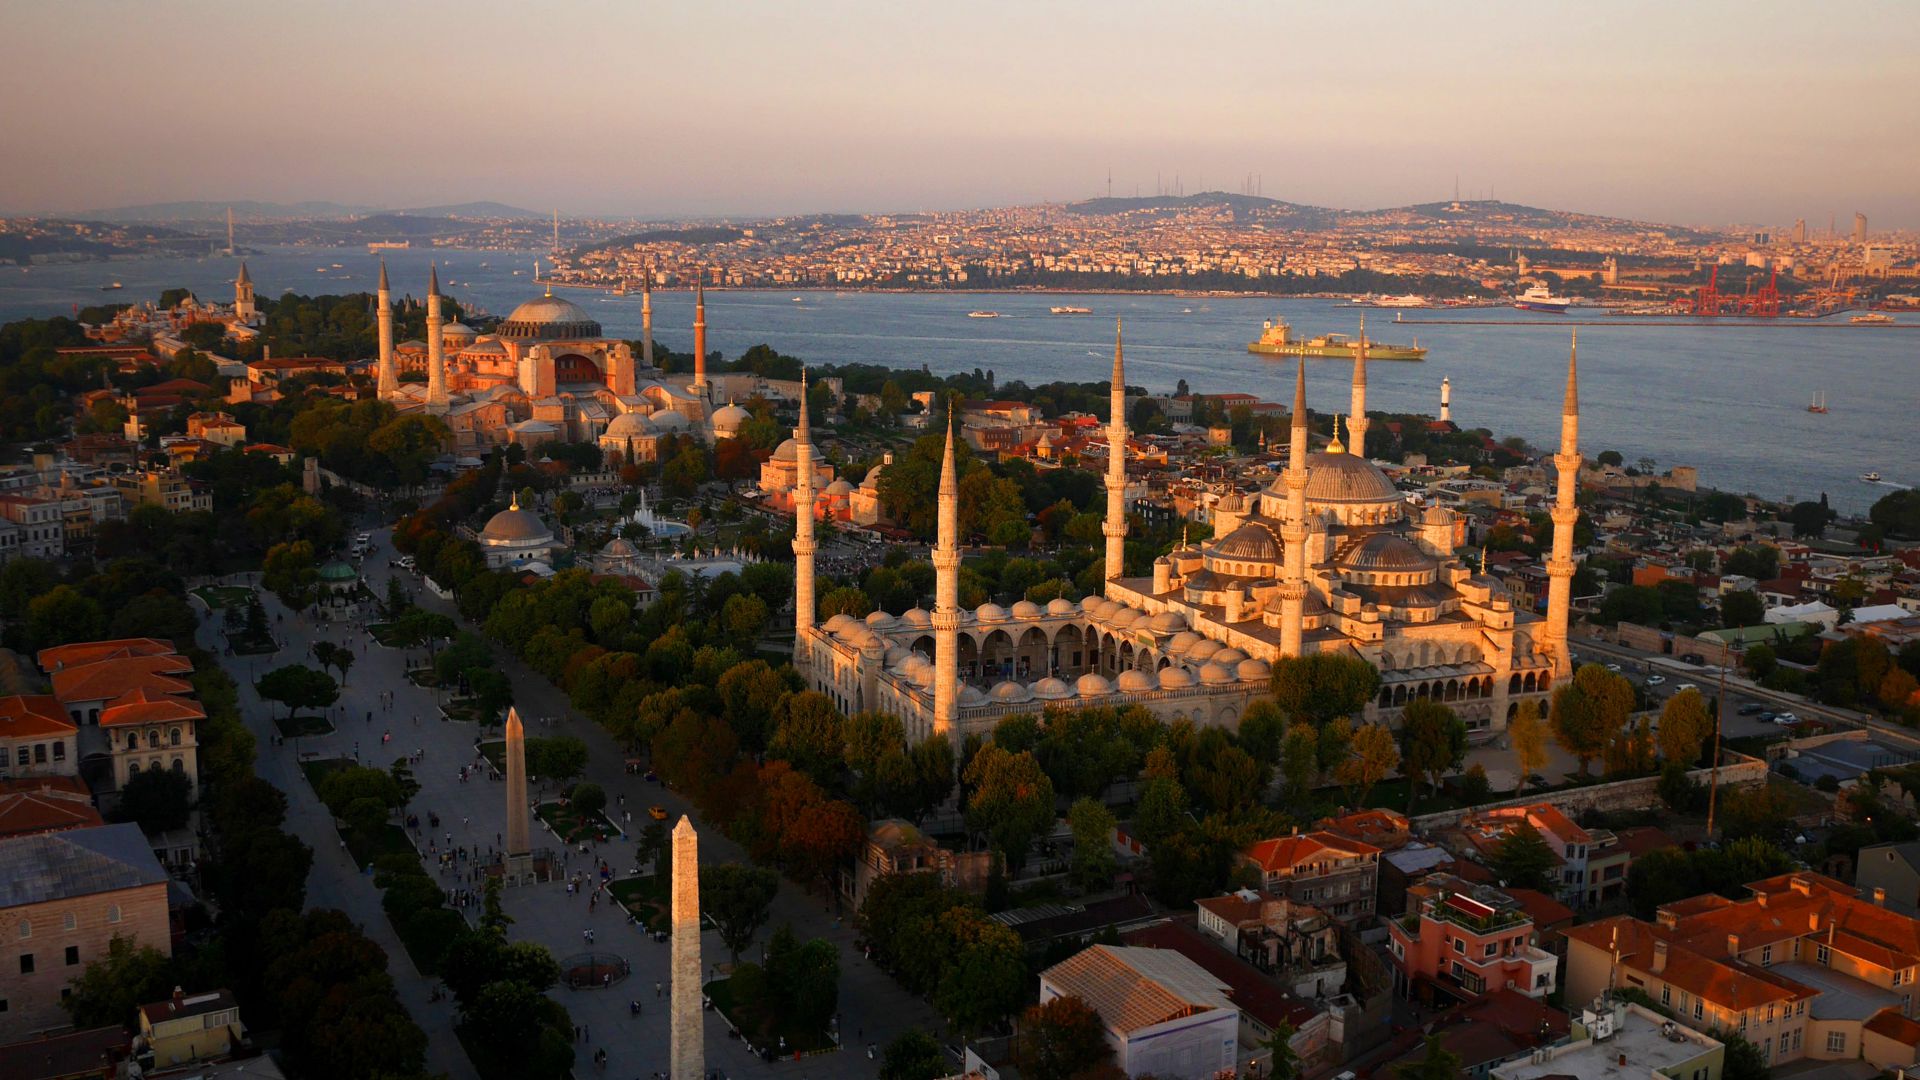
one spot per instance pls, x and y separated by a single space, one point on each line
1638 794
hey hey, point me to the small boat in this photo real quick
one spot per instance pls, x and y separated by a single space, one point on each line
983 314
111 286
336 266
1819 402
1874 319
1870 477
1068 309
796 300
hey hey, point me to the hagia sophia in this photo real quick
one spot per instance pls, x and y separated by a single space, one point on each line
1329 558
548 373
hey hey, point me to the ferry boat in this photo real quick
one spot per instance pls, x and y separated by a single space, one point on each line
1541 298
983 314
111 286
1276 339
1870 477
1873 319
1068 309
1408 301
389 245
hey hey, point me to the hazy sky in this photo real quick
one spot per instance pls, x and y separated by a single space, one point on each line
1703 113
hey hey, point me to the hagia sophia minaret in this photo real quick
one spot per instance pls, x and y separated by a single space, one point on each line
1357 419
803 545
1115 527
1560 565
646 318
946 596
437 400
700 335
389 376
1293 585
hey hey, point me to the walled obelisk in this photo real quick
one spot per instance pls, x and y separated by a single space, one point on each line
687 1051
518 861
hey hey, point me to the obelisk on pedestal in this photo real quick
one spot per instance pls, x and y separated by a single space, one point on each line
687 1050
518 861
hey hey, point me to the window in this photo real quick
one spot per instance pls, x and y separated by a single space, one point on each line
3 1005
73 956
113 914
1897 972
1797 1032
1836 1042
26 929
1492 948
39 753
173 737
1821 956
26 756
1666 996
1800 1009
1699 1012
60 751
26 963
1766 955
70 920
1460 946
1786 1043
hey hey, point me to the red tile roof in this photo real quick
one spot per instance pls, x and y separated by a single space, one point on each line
1287 852
88 652
36 716
109 679
145 706
45 804
1892 1025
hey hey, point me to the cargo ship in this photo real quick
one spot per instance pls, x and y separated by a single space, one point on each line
1068 309
1276 339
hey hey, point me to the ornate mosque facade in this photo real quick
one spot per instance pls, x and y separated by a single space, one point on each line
1330 558
549 373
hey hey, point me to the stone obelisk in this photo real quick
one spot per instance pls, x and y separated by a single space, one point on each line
687 1050
519 855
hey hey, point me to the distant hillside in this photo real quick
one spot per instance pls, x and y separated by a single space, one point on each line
1487 214
1246 209
244 210
492 210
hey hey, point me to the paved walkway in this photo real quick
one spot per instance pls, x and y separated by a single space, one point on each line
874 1007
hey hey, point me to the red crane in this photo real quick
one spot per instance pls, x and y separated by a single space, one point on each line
1707 299
1765 304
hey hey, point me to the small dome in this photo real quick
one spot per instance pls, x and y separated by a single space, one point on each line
839 623
1435 514
880 620
619 548
1253 671
458 330
1183 641
1097 606
1167 622
1386 552
971 695
874 647
1215 674
670 420
485 348
728 418
1124 617
787 451
629 425
990 612
839 488
923 675
1135 681
1203 650
1175 678
1228 657
1060 605
1253 542
338 571
1092 685
1026 609
1011 693
919 618
1051 689
895 654
514 525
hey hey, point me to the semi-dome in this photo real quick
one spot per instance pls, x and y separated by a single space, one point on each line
1214 673
1252 542
990 612
549 318
1010 693
917 617
1092 685
1388 553
667 419
629 425
514 525
1026 609
1175 678
485 348
1051 689
1135 681
1253 671
1060 605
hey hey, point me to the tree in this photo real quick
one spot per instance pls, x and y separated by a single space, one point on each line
1374 756
1282 1062
63 615
1810 518
1093 860
986 977
586 800
1300 760
1163 809
1524 861
1742 607
112 987
330 655
557 757
807 734
299 687
914 1055
1321 686
1528 734
1743 1061
1433 742
1439 1063
158 800
1898 513
1684 727
1061 1039
1011 800
1759 660
1589 710
738 898
1677 789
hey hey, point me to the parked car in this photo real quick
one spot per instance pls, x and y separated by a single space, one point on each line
1750 708
1684 687
1656 680
1786 718
1613 667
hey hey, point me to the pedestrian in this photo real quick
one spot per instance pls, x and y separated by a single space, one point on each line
656 989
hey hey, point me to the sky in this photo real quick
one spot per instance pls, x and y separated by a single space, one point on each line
1701 113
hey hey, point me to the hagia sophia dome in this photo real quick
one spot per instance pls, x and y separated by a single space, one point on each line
549 318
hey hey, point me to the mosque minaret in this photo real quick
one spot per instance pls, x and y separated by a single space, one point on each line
1560 565
946 595
803 509
646 318
1115 527
700 336
437 399
1357 422
389 373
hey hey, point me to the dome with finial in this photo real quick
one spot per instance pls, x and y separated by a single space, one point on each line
514 527
549 318
727 420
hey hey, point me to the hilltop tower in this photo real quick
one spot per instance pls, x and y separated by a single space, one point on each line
1560 565
243 306
389 375
1115 527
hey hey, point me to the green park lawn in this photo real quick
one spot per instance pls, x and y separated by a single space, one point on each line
223 596
293 727
644 896
462 709
761 1029
321 768
383 633
570 828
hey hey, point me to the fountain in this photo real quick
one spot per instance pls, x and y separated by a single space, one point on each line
656 526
